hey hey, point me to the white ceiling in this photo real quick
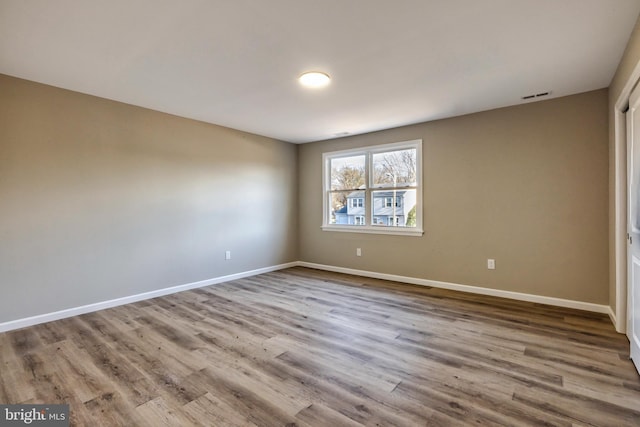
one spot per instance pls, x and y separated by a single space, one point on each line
235 62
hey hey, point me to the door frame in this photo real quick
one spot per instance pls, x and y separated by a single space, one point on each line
619 318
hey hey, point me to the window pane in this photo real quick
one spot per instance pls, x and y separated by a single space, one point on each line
374 189
395 168
347 173
347 207
403 214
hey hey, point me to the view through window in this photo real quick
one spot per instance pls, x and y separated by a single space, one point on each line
374 189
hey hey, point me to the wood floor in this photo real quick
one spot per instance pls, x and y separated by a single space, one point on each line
301 347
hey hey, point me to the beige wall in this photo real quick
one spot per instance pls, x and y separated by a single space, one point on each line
102 200
629 60
526 185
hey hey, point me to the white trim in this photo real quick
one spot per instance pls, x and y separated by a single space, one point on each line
558 302
612 316
76 311
374 229
620 195
62 314
620 217
375 148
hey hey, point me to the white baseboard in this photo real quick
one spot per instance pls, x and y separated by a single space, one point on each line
559 302
62 314
612 316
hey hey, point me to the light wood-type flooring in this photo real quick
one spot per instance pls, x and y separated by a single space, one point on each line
301 347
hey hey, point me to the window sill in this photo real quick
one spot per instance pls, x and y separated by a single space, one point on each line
415 232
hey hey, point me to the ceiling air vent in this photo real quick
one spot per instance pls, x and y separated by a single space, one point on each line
536 95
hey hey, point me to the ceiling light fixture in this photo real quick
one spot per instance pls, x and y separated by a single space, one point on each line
314 79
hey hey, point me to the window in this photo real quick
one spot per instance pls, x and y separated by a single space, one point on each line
357 203
388 202
374 189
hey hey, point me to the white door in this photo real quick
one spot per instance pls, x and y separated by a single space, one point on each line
633 225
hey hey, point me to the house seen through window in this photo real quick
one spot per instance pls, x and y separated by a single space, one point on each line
374 189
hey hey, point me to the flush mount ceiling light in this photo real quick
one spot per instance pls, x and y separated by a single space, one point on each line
314 79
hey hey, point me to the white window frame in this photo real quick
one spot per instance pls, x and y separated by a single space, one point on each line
368 152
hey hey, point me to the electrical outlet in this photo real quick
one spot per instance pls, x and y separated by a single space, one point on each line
491 264
358 252
227 255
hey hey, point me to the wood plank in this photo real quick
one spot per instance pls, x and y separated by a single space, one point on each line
302 347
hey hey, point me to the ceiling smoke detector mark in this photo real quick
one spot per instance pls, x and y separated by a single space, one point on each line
536 95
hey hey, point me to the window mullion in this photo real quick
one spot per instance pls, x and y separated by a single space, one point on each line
368 200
